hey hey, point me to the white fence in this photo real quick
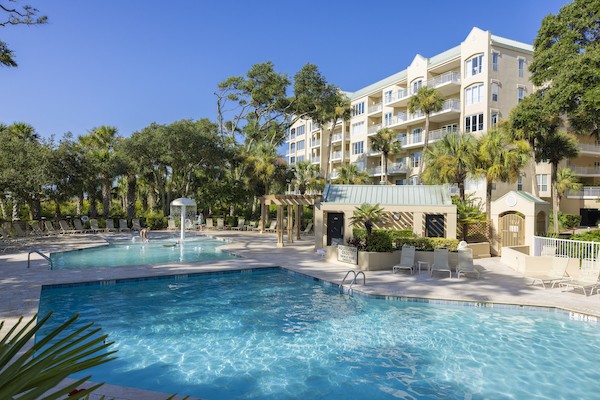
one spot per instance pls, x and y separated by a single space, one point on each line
565 248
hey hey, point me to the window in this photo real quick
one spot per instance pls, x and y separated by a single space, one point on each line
402 138
450 128
293 133
415 159
292 160
494 119
416 135
474 94
300 145
416 85
387 119
300 130
293 148
520 94
474 65
495 90
542 182
521 67
358 128
300 159
474 123
520 183
399 182
495 57
358 109
387 96
358 147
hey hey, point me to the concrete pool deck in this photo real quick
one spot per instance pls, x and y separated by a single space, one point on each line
499 284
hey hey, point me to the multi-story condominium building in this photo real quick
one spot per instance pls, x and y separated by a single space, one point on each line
481 79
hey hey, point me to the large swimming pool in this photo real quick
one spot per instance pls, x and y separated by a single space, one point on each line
158 250
273 334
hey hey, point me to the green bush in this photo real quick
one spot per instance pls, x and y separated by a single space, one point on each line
566 221
394 234
587 236
156 220
379 242
427 244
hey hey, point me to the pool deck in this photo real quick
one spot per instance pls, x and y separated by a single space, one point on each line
499 284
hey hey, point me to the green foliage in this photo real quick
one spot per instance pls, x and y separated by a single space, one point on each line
395 239
566 221
394 234
350 174
587 236
10 15
469 209
379 242
156 220
62 352
427 244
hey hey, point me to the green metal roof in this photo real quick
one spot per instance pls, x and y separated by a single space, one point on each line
396 195
529 197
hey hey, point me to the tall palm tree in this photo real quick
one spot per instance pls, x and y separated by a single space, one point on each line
500 160
338 110
427 100
263 160
350 174
386 142
307 177
451 160
566 181
368 215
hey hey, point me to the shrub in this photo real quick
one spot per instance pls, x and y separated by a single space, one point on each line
587 236
392 233
156 220
379 242
566 221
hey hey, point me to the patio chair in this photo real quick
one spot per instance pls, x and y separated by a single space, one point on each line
50 228
79 226
241 226
258 226
407 260
65 228
556 273
440 262
94 226
220 224
19 232
135 225
209 224
465 263
36 229
110 225
171 225
272 227
123 226
308 230
548 251
588 277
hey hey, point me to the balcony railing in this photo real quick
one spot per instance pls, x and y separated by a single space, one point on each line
585 170
452 76
393 168
315 143
373 129
336 155
375 108
589 148
338 136
396 95
589 192
315 159
315 127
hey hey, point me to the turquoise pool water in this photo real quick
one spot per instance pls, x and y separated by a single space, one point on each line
156 251
273 334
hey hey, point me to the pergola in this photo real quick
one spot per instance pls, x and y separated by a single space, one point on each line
294 204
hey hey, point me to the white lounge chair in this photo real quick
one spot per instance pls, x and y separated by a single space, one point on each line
65 228
548 251
210 224
79 226
123 226
94 226
258 226
36 229
308 229
272 227
465 263
50 228
135 225
556 273
407 260
440 262
588 277
221 224
171 225
110 225
241 226
18 229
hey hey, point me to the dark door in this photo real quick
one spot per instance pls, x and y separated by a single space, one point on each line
335 228
434 225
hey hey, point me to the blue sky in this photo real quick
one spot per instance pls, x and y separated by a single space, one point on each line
131 63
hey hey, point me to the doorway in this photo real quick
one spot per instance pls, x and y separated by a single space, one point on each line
434 225
335 228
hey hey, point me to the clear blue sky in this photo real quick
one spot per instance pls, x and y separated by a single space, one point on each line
130 63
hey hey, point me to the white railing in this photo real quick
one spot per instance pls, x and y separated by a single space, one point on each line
585 170
338 136
315 159
315 143
450 104
373 129
565 248
588 192
396 95
336 155
375 108
439 133
589 148
393 168
451 76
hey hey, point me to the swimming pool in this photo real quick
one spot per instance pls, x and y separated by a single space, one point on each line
273 334
157 251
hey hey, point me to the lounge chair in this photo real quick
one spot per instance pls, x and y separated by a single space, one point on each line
79 226
588 276
36 229
465 263
220 224
407 260
135 225
50 228
308 229
65 228
548 251
123 226
94 226
19 232
440 262
272 227
209 224
258 226
110 225
171 225
556 273
241 226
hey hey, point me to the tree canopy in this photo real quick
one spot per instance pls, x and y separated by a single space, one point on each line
12 14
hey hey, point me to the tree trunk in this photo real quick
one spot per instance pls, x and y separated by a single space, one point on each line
57 214
15 210
106 197
425 144
131 195
461 190
383 169
92 200
329 150
80 204
488 207
3 207
35 210
534 187
553 180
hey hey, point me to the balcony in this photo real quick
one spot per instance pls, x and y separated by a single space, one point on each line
336 156
444 83
397 98
373 129
315 143
375 108
590 148
589 192
450 110
393 169
337 137
315 127
315 159
585 171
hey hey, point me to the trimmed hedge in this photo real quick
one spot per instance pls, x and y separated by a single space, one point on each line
396 239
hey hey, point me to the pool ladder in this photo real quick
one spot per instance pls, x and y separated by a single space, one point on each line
41 254
353 281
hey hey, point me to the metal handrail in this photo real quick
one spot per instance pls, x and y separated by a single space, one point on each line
356 275
41 254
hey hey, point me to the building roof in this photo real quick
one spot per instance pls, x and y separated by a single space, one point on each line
529 197
512 43
388 195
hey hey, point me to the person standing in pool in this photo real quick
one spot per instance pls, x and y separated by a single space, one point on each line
144 234
200 220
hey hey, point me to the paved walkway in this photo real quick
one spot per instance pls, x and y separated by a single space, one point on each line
20 286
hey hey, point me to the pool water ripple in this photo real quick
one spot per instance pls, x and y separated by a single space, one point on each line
276 335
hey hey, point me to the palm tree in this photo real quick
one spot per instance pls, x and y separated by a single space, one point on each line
307 177
451 160
427 100
385 141
338 110
367 214
500 160
263 160
566 181
350 174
